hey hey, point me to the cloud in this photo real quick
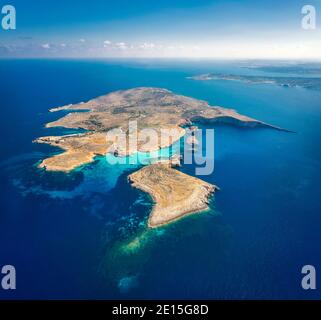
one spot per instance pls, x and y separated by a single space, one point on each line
82 40
63 45
121 45
45 46
147 45
107 43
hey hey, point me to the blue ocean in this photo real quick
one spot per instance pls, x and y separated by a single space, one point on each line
83 235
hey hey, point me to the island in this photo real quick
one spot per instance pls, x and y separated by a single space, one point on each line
175 194
283 81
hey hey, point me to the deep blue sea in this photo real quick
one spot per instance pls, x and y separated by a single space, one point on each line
83 234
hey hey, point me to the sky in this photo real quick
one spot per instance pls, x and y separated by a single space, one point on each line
229 29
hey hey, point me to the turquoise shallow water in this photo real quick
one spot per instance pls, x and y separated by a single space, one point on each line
83 235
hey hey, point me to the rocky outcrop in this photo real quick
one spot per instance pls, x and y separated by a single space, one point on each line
175 194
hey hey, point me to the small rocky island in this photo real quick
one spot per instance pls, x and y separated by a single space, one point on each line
175 193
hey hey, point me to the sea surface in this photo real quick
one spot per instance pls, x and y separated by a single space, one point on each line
83 234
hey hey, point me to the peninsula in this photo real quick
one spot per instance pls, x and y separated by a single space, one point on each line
175 193
283 81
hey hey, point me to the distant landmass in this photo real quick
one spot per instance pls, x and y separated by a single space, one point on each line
304 82
312 69
175 193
